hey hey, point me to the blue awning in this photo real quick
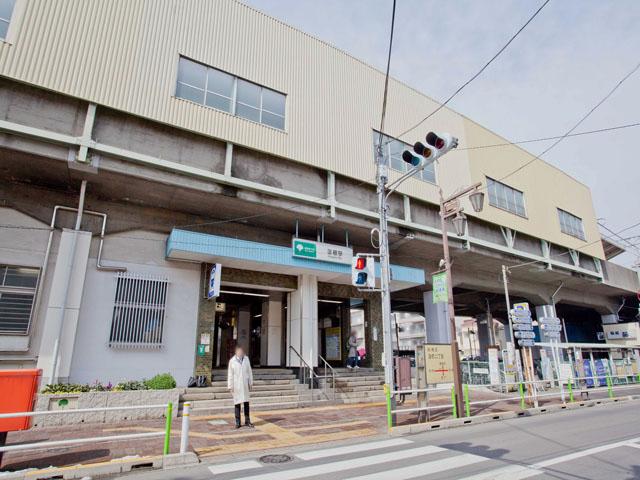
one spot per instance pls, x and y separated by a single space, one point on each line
245 254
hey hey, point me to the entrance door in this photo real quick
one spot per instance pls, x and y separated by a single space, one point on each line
337 318
252 319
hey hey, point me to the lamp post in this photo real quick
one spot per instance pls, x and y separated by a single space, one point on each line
450 208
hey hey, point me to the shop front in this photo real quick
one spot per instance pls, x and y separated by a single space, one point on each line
284 309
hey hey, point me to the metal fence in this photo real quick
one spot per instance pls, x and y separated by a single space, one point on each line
184 436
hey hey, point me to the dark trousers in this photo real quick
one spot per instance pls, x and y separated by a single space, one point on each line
246 413
352 362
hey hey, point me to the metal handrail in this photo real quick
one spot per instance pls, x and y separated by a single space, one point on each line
305 366
333 376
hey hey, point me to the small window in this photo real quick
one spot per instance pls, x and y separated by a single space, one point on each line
138 311
6 10
17 294
392 150
505 197
570 224
217 89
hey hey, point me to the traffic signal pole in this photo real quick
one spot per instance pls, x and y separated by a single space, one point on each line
382 178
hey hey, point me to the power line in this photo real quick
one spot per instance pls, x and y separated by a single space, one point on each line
568 132
441 106
386 77
617 234
542 139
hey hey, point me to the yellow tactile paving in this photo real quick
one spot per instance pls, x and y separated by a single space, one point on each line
325 426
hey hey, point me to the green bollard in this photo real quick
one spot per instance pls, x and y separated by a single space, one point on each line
639 378
521 390
467 408
453 403
387 395
609 386
167 429
570 386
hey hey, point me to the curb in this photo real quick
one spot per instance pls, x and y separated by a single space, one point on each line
113 467
490 417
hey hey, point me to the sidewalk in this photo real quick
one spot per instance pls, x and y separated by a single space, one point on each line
216 436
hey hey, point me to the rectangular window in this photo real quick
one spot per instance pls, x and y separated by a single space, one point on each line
17 294
392 150
6 10
570 224
505 197
217 89
138 311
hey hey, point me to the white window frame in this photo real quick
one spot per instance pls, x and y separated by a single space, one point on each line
233 98
568 229
15 21
20 290
406 166
144 296
512 191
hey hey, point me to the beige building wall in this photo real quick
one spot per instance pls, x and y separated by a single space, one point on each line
124 54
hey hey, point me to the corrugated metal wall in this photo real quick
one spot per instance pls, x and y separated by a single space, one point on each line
124 54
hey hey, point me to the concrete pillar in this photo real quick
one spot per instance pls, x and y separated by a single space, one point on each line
61 319
436 320
271 331
302 328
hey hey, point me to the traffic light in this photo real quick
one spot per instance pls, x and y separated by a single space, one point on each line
363 272
423 155
442 143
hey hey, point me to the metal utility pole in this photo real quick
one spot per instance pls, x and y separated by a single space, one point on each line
382 178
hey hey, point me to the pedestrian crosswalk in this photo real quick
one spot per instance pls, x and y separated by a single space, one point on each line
397 459
386 459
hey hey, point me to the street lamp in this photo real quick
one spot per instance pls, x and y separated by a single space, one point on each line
450 208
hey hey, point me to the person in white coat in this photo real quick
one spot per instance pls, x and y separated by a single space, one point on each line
239 383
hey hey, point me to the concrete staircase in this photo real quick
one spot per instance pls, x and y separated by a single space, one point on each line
273 389
360 385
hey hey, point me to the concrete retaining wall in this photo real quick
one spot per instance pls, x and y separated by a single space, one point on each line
104 399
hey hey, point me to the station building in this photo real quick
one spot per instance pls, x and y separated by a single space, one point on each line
143 142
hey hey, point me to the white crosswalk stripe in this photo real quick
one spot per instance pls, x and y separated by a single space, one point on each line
422 469
346 450
354 463
234 467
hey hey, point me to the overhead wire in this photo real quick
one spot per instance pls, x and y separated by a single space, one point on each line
477 74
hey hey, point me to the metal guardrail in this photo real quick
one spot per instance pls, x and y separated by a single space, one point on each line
529 391
184 435
304 367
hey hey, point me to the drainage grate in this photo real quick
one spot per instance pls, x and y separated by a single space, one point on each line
275 459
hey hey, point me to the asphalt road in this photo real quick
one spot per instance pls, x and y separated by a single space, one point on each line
601 442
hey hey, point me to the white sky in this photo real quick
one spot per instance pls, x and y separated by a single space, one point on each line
561 65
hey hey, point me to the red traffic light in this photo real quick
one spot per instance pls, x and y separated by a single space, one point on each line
435 141
361 263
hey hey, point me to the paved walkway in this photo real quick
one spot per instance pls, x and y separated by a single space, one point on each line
216 436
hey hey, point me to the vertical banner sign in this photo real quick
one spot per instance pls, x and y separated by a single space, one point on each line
440 291
214 281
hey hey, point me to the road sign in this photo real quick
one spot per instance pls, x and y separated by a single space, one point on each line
521 306
550 321
439 363
521 320
522 327
550 328
524 334
525 342
521 313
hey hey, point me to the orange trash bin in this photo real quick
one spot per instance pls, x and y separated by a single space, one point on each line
17 394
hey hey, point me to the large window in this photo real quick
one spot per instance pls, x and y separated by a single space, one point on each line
6 10
505 197
17 293
392 150
138 311
570 224
217 89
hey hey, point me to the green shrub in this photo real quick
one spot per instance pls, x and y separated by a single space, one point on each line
162 381
65 388
130 385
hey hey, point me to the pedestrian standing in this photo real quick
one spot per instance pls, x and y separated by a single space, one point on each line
352 346
239 383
